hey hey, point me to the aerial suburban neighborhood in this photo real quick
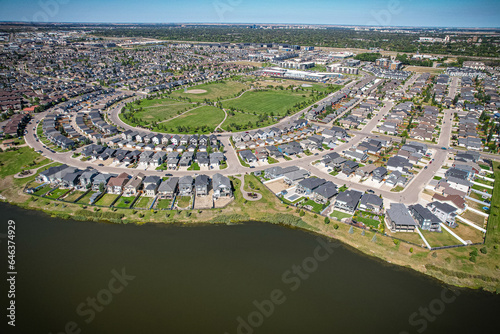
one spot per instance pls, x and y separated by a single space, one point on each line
367 143
250 166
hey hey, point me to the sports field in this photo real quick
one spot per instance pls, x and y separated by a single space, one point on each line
213 91
199 120
272 102
156 110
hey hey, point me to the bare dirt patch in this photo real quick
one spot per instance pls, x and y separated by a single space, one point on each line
195 91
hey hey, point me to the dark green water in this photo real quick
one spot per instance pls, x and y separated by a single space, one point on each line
202 279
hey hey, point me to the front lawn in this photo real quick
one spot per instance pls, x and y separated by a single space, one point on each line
194 166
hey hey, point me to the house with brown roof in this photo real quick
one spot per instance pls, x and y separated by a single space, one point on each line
116 184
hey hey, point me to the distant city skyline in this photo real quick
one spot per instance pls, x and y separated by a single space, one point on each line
422 13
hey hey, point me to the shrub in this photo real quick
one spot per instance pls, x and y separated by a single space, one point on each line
315 216
396 241
411 249
472 258
484 250
474 252
302 213
336 226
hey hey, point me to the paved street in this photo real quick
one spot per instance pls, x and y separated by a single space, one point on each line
409 195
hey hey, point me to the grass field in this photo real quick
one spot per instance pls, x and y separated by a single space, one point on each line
124 202
11 162
217 90
244 121
194 121
276 102
160 109
423 69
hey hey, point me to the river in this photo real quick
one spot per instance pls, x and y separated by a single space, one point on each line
87 277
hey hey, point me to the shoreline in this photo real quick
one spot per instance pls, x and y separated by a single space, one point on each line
440 277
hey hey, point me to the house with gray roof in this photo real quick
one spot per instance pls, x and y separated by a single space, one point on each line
371 202
399 219
307 186
202 185
151 183
425 218
325 192
186 185
221 186
168 188
348 200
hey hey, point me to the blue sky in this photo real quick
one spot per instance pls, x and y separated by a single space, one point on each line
442 13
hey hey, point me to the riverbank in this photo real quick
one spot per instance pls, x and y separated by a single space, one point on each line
452 266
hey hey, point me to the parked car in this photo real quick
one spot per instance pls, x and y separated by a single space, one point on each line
370 191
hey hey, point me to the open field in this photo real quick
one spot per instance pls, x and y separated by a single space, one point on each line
199 120
423 69
12 162
240 121
213 91
271 102
157 110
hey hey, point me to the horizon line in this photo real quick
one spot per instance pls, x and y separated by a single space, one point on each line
249 23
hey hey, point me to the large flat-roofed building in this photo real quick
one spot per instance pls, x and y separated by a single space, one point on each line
338 68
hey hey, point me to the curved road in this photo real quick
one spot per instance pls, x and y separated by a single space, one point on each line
409 195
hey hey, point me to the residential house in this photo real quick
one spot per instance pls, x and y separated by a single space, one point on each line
151 183
348 200
201 185
371 202
221 186
399 219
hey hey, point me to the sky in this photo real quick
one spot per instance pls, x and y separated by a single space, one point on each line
425 13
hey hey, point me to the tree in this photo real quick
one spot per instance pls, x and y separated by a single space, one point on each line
327 221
